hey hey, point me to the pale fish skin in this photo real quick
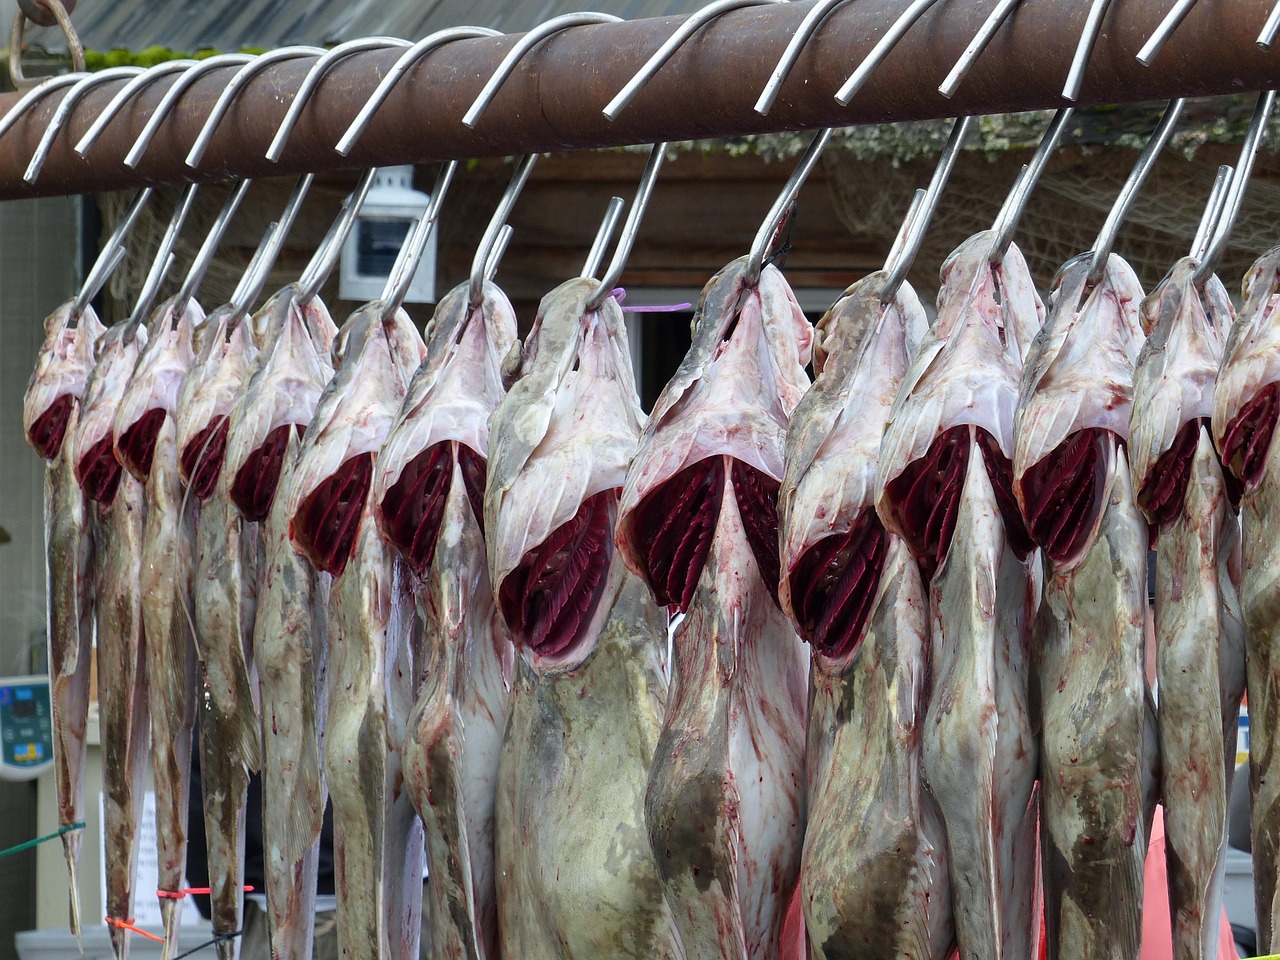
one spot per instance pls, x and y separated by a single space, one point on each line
454 738
725 801
1245 395
224 606
1200 664
570 833
378 840
51 419
290 630
117 524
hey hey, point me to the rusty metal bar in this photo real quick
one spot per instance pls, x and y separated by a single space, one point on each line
553 100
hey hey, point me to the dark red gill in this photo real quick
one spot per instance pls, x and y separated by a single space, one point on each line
1247 441
673 527
926 497
413 507
98 472
254 486
326 523
1000 471
51 426
1064 492
757 496
1163 496
202 458
137 446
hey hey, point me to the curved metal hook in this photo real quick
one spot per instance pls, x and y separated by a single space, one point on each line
204 256
897 267
1177 13
264 257
1084 49
408 60
1269 30
125 95
1129 192
326 256
687 29
171 97
1006 221
881 50
406 264
242 78
1239 183
990 27
164 257
499 248
488 243
63 111
627 239
112 253
612 214
517 53
29 98
313 79
1213 208
790 190
808 27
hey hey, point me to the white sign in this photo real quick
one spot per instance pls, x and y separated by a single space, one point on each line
146 904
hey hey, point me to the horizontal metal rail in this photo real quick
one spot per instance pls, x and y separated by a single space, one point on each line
553 100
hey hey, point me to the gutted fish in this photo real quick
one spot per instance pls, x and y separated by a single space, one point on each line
585 711
698 520
956 403
290 627
224 602
1072 482
1200 664
378 840
1244 420
117 517
146 443
429 495
873 874
51 415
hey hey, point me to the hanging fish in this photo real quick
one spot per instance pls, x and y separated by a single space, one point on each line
873 874
698 520
592 676
378 840
117 516
429 495
52 411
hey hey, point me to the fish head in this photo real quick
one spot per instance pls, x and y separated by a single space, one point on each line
329 487
96 468
559 445
57 386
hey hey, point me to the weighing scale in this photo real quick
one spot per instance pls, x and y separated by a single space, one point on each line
26 727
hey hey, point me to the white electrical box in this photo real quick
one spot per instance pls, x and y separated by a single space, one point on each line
26 727
380 230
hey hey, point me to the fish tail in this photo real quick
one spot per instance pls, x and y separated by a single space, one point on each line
169 915
71 851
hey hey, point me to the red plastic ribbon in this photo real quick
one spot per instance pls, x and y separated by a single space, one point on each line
179 894
130 926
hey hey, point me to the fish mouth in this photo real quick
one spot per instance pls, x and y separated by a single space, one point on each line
1065 492
255 483
551 598
326 523
51 426
834 585
926 495
1163 496
201 459
98 472
412 509
1247 441
136 447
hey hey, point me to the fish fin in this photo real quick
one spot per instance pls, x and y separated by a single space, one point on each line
169 915
246 734
71 851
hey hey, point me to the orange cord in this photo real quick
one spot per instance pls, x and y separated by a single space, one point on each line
179 894
129 925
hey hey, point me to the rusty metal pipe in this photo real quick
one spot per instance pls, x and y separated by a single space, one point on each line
553 100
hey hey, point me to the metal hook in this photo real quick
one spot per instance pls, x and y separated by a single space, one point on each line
627 239
113 251
499 248
1177 13
523 46
488 243
1084 49
990 27
126 95
171 96
204 256
326 256
1129 192
897 268
612 214
242 78
790 190
1239 183
64 110
881 49
406 265
1269 30
688 28
1213 208
808 26
164 257
29 98
408 60
264 257
1006 221
315 75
